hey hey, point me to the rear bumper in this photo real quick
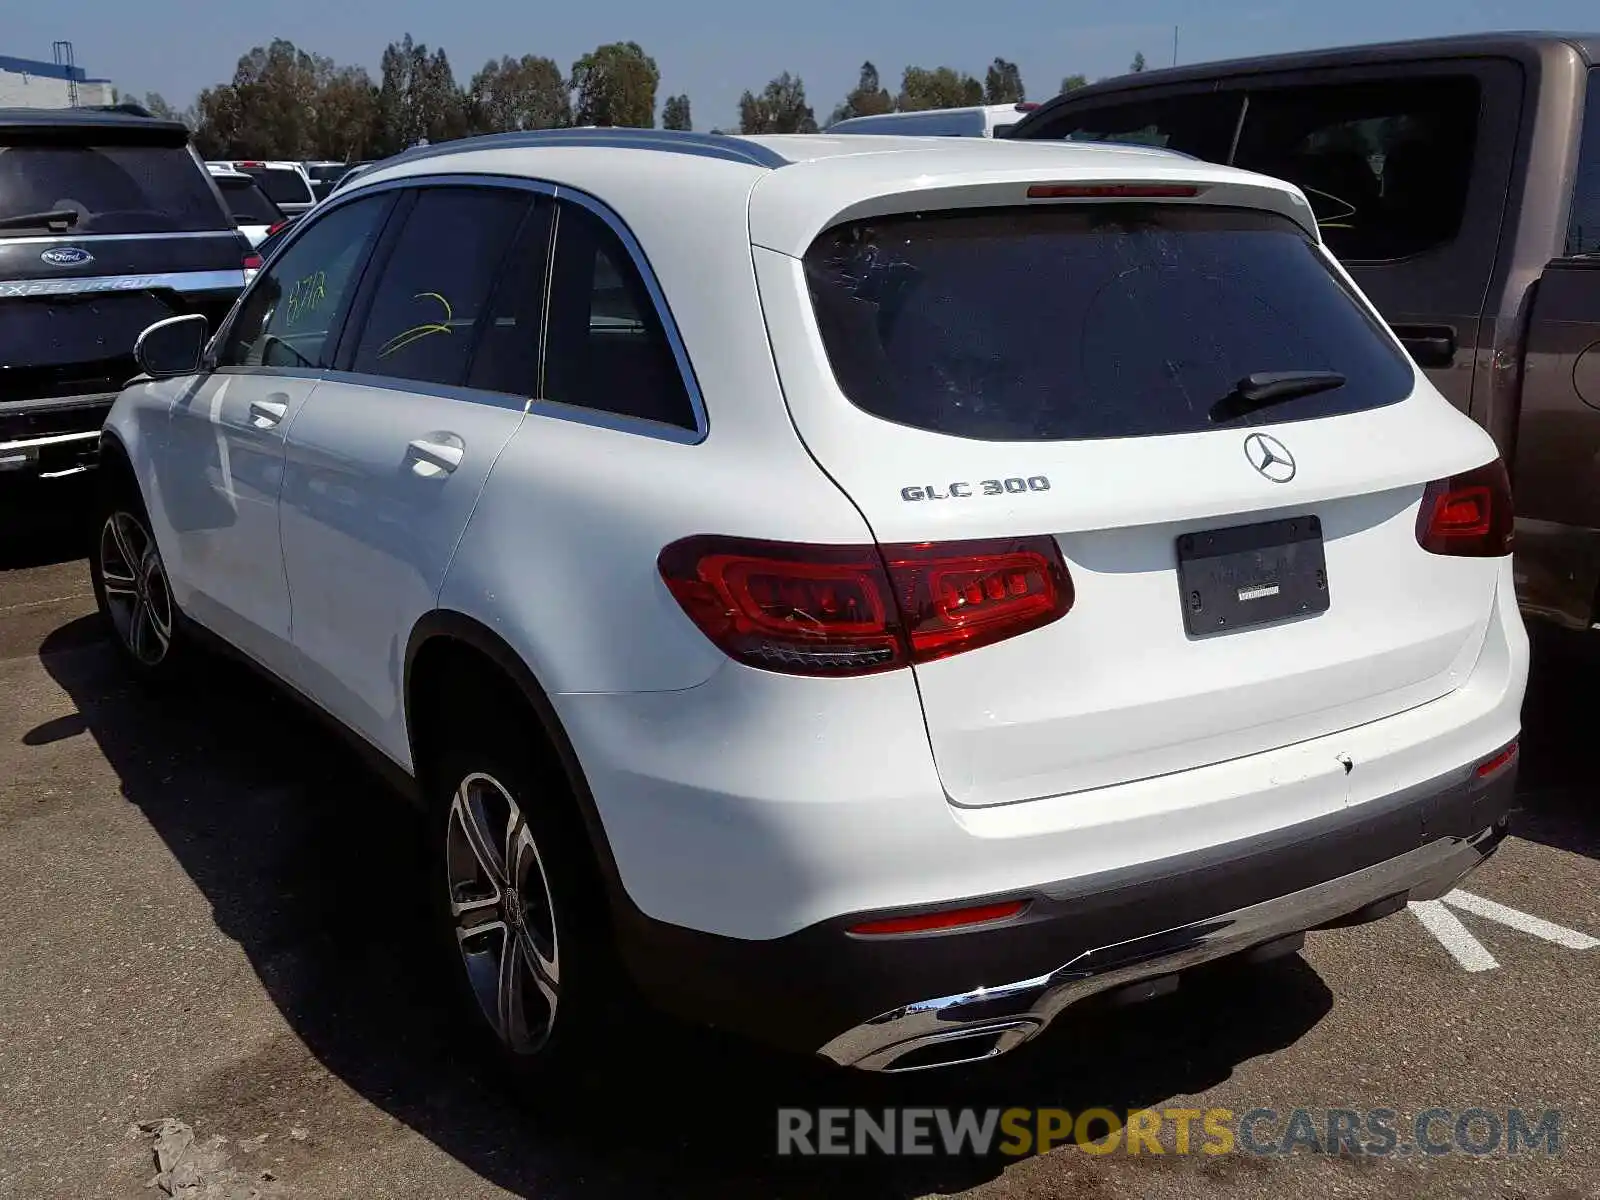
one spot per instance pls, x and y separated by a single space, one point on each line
921 1000
52 437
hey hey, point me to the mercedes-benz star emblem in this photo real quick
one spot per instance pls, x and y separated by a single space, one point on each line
1269 456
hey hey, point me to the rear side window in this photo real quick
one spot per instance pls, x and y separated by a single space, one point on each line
107 188
1088 321
607 349
245 202
435 286
1385 165
1583 223
1201 125
282 185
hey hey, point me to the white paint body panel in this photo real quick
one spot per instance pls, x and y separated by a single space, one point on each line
751 804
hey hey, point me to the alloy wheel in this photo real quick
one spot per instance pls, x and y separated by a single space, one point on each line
138 598
500 902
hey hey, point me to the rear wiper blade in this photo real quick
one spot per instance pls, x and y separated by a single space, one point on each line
65 217
1266 388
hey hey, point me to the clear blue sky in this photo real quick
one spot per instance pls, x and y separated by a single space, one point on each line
714 49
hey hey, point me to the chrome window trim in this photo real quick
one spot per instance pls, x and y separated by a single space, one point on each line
173 281
539 406
40 238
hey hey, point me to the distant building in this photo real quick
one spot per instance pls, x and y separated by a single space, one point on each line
26 83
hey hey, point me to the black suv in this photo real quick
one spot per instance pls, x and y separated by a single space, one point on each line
108 222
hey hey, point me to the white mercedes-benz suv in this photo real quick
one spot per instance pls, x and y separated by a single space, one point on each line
869 593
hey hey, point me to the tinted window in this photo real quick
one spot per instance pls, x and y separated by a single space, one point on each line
291 316
245 202
507 355
112 188
1583 224
1088 321
606 348
1201 125
436 282
1385 165
281 184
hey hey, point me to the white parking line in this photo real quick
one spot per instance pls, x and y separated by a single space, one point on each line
1453 935
1467 950
1550 932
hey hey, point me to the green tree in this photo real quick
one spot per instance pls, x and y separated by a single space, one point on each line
156 105
780 108
1072 83
942 87
345 125
418 99
675 113
616 85
1002 83
868 98
1137 64
518 93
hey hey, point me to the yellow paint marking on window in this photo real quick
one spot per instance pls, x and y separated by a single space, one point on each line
417 332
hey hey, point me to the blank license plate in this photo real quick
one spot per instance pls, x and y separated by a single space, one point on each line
1252 574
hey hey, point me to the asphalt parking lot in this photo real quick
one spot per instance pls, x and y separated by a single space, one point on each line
208 918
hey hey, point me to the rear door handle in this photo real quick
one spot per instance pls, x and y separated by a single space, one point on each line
1430 345
438 454
264 414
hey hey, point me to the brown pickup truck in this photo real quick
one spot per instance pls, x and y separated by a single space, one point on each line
1458 180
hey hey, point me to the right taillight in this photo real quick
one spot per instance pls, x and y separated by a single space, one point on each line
1468 515
852 610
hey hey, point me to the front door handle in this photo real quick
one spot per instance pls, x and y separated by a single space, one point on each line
1430 345
436 454
264 414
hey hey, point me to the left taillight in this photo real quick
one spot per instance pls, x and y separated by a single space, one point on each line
852 610
1468 515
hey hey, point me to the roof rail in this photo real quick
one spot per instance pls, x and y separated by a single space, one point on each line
670 141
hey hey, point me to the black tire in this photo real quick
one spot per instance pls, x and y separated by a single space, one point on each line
486 765
130 581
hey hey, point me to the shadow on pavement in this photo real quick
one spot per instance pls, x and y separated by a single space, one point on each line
43 522
1559 779
307 863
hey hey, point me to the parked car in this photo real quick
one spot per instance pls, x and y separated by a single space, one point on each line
252 212
350 176
788 571
323 176
983 120
108 223
286 183
1459 182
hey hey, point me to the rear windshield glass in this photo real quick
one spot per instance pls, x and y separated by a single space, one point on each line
110 189
1089 321
281 185
246 203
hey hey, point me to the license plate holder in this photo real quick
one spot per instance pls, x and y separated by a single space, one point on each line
1249 575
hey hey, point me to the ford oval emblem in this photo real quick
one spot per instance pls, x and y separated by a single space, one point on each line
67 256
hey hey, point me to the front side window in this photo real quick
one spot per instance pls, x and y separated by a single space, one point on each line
435 284
1089 321
607 348
1583 222
1386 165
291 317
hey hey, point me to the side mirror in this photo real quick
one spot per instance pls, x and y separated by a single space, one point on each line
172 347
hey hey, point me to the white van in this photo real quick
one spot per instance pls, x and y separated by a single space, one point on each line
983 120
